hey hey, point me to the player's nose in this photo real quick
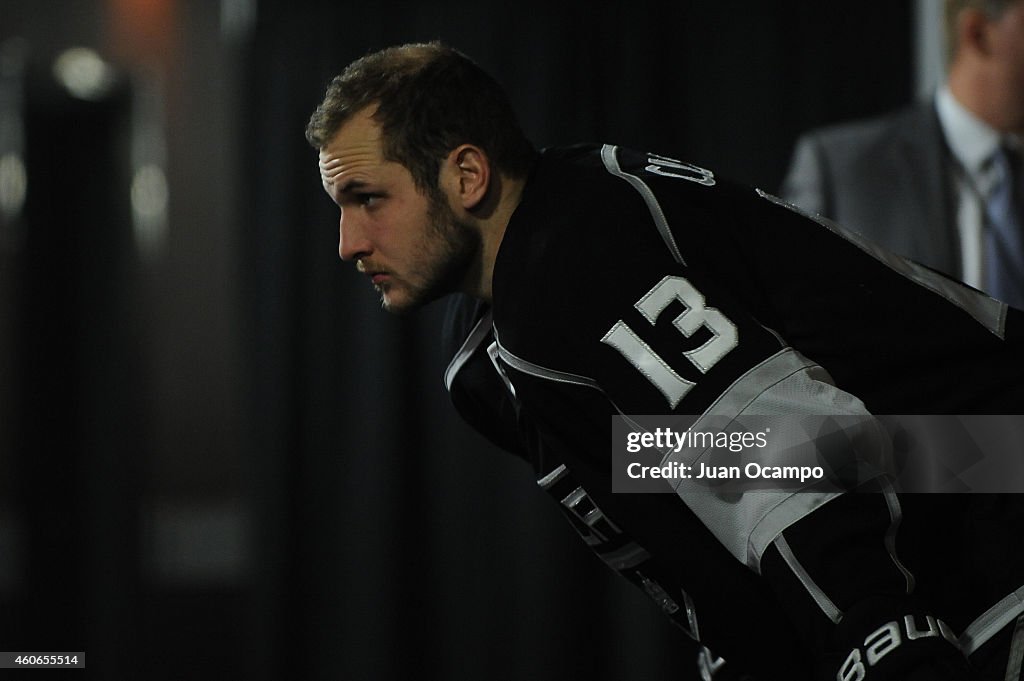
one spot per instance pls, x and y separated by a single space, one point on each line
352 240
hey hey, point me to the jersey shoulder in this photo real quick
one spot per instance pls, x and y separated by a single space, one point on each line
608 240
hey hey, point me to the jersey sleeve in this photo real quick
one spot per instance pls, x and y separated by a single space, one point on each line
474 386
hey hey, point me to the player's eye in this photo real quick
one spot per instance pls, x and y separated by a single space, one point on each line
367 198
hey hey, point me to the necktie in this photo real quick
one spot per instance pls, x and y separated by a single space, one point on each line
1004 238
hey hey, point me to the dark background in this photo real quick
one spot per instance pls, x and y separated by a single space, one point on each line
218 458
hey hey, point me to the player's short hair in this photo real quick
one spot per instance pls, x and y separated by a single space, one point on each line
993 9
430 98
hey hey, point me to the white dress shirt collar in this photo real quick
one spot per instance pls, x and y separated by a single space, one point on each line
972 141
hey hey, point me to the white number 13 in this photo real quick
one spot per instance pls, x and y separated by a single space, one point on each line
654 368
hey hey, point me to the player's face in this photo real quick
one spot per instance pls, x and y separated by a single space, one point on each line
409 244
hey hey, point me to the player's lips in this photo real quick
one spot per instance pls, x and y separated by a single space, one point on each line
375 276
378 277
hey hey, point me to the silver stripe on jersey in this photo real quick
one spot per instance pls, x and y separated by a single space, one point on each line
1016 658
989 312
708 663
611 164
553 477
527 367
492 354
824 602
896 516
993 620
469 346
537 371
782 385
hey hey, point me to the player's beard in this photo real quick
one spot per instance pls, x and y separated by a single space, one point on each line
446 256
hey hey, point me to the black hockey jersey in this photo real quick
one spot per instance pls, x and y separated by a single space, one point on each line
631 283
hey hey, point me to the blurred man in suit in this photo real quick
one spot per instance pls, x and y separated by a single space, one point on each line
939 182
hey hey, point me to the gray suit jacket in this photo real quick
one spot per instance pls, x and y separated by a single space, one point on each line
886 178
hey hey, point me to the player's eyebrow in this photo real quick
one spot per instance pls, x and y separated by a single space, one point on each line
351 185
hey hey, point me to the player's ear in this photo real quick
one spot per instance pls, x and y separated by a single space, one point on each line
470 172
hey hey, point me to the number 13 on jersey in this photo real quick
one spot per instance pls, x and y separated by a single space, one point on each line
724 336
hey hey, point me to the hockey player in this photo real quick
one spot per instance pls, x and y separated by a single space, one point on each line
597 281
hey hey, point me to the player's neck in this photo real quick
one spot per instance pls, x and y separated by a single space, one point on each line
492 232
